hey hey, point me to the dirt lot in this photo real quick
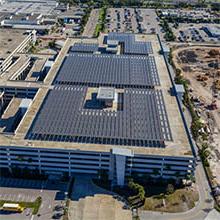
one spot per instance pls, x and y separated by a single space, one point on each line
9 40
199 66
179 201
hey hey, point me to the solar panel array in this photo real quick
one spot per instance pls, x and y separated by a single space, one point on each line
140 118
108 70
142 122
130 45
84 48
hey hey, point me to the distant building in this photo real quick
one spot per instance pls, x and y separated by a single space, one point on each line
21 19
179 90
71 16
212 31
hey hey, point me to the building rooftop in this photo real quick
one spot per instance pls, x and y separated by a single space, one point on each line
107 93
214 30
141 119
175 142
179 88
84 48
130 45
26 6
25 103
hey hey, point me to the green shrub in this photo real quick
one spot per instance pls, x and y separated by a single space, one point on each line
137 188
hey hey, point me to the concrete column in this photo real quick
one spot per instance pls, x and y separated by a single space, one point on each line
69 164
111 167
39 161
9 160
120 169
120 156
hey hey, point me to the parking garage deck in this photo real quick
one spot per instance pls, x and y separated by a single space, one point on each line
64 116
108 70
178 147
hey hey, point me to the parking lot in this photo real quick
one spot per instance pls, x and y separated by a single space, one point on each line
17 190
149 22
193 33
121 20
132 20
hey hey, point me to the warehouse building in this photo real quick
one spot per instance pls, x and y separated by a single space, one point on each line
13 20
103 112
212 31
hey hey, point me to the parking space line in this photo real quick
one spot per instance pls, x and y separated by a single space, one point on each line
23 197
19 197
27 198
13 197
9 197
3 197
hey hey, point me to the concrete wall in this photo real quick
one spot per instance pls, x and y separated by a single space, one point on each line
76 161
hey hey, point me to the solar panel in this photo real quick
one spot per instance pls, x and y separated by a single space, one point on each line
141 122
108 70
84 48
130 45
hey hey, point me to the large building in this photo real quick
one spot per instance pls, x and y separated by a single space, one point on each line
105 105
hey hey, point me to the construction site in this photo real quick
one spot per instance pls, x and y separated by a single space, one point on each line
200 66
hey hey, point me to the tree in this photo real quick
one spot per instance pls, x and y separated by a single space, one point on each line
138 189
51 44
204 154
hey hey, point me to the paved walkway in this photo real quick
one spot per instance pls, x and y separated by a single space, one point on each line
90 202
83 186
213 215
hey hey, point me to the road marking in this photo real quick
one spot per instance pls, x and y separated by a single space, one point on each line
13 197
27 198
32 217
22 197
9 197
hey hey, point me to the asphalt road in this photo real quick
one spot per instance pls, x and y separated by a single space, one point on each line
91 24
